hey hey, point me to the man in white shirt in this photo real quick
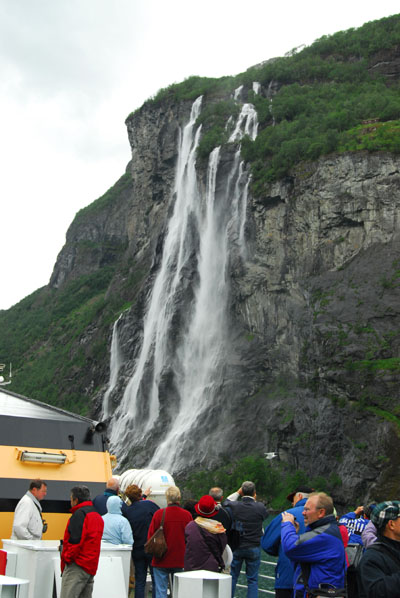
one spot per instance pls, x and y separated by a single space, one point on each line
28 523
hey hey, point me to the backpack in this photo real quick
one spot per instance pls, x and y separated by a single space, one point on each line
354 553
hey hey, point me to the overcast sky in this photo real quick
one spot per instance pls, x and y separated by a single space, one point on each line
72 70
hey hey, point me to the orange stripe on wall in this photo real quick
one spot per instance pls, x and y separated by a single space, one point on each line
81 466
56 525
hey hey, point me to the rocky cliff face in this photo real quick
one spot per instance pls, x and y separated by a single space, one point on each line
126 222
322 294
311 357
386 62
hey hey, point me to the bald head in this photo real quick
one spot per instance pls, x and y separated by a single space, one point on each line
113 484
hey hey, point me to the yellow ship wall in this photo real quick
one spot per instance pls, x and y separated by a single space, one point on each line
87 463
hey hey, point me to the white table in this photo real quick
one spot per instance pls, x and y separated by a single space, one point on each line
9 586
39 561
202 584
35 562
108 581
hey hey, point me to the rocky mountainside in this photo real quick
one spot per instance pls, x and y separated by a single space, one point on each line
271 317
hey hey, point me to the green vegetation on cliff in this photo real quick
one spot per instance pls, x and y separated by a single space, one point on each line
325 92
109 198
341 56
313 102
216 117
41 337
273 480
311 120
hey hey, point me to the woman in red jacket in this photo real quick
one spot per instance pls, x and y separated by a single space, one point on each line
176 519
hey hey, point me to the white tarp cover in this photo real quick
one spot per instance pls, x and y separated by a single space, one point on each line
20 407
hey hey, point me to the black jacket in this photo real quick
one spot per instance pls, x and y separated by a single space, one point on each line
139 514
250 515
223 516
379 570
100 501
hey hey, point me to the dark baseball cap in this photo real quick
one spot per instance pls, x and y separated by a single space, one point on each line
302 490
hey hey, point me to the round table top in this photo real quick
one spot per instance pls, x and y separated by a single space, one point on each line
7 580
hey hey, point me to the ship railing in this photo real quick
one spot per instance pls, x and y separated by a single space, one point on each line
263 576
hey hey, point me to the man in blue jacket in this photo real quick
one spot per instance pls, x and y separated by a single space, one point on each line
271 542
100 501
319 552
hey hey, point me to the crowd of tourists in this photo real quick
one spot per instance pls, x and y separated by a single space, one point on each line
356 555
319 554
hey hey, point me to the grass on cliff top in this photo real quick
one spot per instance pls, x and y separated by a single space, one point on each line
325 92
373 137
319 119
108 199
331 57
190 89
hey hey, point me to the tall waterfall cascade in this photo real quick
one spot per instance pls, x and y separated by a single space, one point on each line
115 364
181 364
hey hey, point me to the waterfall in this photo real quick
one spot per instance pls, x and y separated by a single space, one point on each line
202 353
188 344
237 93
239 204
269 96
115 364
256 87
140 401
247 124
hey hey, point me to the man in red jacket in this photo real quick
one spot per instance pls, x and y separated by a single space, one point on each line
81 546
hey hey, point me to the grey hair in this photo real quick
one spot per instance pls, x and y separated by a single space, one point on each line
248 488
303 494
216 493
173 494
80 493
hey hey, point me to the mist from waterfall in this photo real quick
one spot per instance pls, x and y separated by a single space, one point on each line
209 223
